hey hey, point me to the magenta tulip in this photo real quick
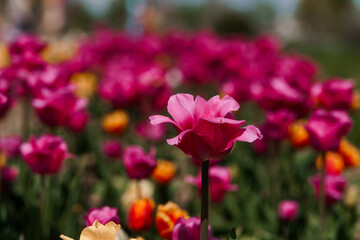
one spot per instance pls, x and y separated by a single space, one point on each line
112 148
288 210
334 187
61 108
206 129
45 154
10 173
138 164
10 145
151 132
277 124
334 94
103 215
220 183
326 128
188 229
24 43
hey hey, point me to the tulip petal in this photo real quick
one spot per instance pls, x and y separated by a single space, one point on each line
158 119
181 107
250 134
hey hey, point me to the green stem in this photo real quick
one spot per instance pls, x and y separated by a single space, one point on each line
204 200
41 207
322 197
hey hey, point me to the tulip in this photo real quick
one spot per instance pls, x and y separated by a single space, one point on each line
206 128
10 145
98 232
327 128
166 216
86 84
164 171
140 215
78 120
151 132
350 153
26 42
298 135
9 174
220 183
334 163
188 229
138 164
61 108
336 94
277 124
103 215
355 101
115 122
334 187
45 154
288 210
112 149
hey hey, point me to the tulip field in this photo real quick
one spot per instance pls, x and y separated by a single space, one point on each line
180 135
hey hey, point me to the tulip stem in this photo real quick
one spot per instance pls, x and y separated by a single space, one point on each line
41 206
204 200
322 197
138 189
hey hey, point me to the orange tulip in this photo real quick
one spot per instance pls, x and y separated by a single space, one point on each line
298 135
115 122
164 171
140 215
86 84
334 163
355 102
166 216
350 153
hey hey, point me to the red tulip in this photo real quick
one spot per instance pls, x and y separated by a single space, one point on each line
206 129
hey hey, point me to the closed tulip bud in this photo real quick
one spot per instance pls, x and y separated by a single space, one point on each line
115 122
166 216
45 154
138 164
334 187
350 153
326 128
9 174
103 215
10 145
288 210
298 135
334 163
188 229
164 171
140 216
112 149
86 84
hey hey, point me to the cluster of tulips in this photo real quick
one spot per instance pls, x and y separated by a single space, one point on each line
119 84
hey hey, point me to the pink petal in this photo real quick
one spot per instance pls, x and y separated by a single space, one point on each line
251 134
181 107
158 119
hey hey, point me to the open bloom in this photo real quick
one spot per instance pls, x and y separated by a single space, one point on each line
206 129
334 187
138 164
98 231
288 210
220 182
188 229
326 128
140 215
166 216
103 215
45 154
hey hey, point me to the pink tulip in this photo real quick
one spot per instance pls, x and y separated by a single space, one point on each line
26 43
103 215
334 94
288 210
10 173
206 129
220 182
326 128
138 164
112 148
334 187
10 145
61 108
151 132
188 229
45 154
